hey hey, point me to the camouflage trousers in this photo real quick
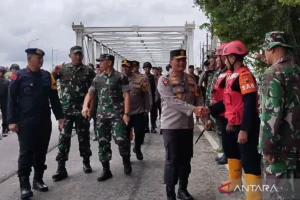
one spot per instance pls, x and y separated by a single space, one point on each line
107 128
82 126
283 179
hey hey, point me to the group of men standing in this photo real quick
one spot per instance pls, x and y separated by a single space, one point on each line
116 101
123 101
247 134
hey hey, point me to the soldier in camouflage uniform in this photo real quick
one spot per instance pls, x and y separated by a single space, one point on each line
139 105
208 78
113 90
75 80
280 117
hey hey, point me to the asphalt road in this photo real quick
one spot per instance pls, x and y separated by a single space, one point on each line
9 151
145 182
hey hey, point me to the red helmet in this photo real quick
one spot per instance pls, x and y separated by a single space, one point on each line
219 51
235 47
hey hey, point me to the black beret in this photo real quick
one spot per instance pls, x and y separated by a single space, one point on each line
179 53
105 57
35 51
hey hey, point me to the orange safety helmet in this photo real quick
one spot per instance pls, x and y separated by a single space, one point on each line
235 47
219 51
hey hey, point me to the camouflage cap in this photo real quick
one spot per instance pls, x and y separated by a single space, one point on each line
76 49
275 38
105 57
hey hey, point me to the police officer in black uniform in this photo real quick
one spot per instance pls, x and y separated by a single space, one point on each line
29 115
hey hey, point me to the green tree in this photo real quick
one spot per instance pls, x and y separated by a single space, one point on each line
249 20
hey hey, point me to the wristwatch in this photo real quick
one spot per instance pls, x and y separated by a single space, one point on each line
126 114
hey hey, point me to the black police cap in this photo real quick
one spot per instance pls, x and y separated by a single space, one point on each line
35 51
76 49
105 57
179 53
147 65
127 63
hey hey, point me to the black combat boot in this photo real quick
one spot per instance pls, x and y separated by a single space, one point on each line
138 153
127 165
38 183
61 172
86 166
25 188
182 191
171 192
223 160
106 173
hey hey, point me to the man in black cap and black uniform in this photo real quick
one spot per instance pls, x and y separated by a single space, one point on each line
29 115
153 113
180 98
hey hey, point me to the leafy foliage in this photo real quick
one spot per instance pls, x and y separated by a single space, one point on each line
249 20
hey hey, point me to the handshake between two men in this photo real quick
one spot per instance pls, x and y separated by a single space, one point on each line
203 113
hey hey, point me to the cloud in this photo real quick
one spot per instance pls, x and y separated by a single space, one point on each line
50 21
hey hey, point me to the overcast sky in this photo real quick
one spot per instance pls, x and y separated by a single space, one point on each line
50 21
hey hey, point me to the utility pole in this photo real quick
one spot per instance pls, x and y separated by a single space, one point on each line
207 43
56 56
52 56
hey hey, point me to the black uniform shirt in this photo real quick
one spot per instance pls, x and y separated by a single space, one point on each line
29 95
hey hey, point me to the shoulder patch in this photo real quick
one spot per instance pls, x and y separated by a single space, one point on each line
14 77
247 83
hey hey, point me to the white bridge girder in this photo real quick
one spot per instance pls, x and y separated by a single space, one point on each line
142 43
